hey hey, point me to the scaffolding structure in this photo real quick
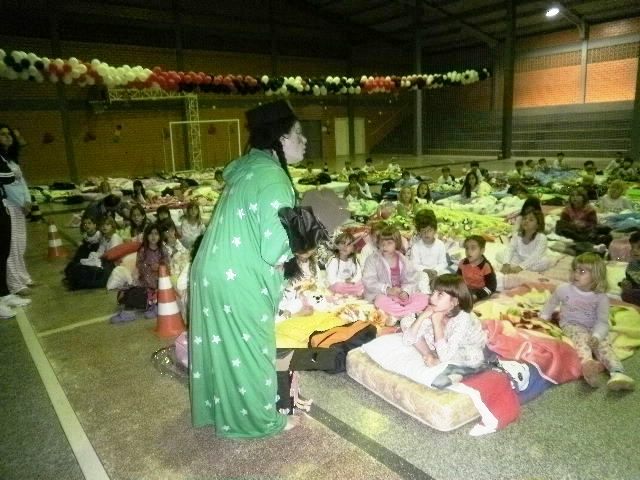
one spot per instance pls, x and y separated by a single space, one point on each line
192 114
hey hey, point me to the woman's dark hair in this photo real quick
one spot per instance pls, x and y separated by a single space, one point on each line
531 204
196 246
466 187
13 151
267 124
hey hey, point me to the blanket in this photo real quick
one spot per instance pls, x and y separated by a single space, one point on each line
557 361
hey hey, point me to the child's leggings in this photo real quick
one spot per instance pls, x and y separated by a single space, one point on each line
580 337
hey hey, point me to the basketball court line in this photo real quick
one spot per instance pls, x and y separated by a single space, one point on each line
84 452
73 326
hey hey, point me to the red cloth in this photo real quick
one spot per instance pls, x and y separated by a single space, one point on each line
496 395
556 360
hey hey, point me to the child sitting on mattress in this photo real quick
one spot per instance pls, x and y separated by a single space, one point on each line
528 248
390 280
301 272
631 283
447 331
344 274
476 270
584 318
427 252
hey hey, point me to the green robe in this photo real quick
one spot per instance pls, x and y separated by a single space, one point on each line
235 291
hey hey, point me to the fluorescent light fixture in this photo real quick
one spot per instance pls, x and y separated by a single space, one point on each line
552 12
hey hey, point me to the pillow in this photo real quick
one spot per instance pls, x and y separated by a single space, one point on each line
116 253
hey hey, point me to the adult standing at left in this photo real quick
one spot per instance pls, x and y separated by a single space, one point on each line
7 301
19 206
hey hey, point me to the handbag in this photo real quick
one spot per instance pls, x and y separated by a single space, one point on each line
303 229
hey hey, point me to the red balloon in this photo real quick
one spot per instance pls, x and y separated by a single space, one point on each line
171 83
207 79
187 79
66 68
197 79
156 69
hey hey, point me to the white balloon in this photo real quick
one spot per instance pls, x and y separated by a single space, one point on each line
53 78
24 75
73 61
82 68
67 79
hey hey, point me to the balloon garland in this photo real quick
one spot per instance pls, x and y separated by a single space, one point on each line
28 66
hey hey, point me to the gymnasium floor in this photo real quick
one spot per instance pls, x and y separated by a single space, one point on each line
81 399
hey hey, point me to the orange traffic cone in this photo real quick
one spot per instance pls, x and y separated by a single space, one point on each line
169 323
56 250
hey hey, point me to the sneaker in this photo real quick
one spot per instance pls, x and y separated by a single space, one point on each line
6 312
151 312
591 370
123 317
620 381
15 301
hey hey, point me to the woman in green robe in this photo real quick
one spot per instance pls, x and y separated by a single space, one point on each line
237 283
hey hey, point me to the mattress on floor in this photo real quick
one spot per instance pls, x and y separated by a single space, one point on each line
440 409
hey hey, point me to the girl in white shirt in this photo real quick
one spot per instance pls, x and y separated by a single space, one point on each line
344 274
191 226
528 248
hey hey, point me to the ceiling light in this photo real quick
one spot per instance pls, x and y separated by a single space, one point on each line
552 12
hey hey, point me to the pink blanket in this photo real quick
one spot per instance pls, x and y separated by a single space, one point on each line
556 360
